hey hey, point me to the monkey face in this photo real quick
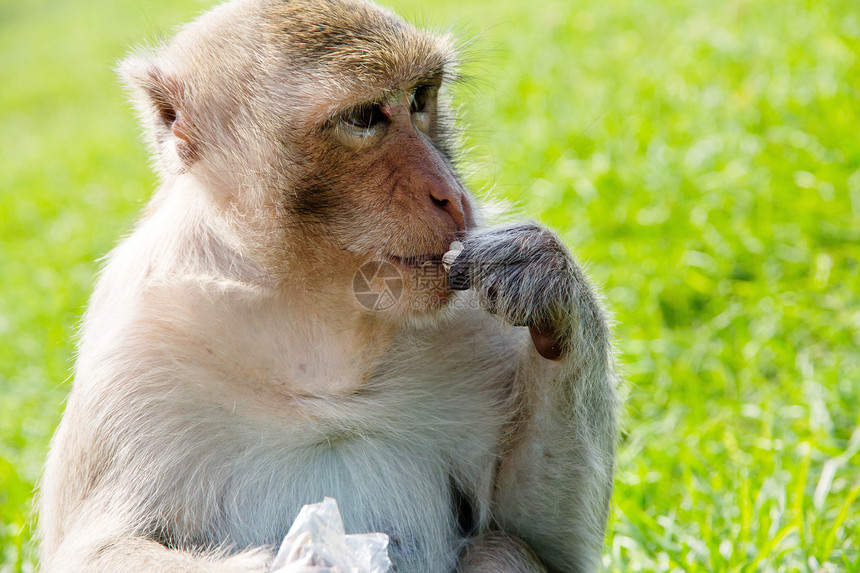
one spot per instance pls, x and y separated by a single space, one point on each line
378 186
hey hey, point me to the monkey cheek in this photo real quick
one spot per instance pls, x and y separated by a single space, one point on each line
546 345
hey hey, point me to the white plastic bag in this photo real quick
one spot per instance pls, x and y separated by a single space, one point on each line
317 543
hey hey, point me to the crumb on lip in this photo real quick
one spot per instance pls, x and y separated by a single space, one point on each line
454 251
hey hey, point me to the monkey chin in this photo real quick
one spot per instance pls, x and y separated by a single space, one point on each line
405 292
426 310
425 286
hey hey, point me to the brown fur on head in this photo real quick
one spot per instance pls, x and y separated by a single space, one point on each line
258 100
368 50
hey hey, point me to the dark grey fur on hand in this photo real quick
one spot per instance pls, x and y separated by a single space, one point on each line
525 274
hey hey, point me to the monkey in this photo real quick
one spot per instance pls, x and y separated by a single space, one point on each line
228 372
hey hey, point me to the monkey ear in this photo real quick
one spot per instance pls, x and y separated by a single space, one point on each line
162 101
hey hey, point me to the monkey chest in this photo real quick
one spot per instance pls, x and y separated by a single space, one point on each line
400 489
411 457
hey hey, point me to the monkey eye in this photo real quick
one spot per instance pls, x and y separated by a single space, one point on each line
420 97
364 116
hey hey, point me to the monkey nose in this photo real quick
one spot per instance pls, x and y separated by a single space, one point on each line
450 200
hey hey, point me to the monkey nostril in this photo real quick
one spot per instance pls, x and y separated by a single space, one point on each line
453 208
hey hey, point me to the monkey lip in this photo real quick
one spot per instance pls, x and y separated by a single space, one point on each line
414 261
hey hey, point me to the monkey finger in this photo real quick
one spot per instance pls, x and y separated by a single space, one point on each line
458 278
545 343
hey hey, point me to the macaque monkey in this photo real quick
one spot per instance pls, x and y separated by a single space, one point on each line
228 372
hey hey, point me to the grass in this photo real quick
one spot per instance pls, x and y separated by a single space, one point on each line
703 160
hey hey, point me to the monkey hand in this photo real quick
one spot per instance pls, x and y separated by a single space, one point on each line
524 274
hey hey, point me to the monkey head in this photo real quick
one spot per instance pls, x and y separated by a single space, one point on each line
323 143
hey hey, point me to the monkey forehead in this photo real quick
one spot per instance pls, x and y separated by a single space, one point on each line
360 45
307 59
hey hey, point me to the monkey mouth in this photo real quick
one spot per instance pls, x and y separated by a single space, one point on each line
415 261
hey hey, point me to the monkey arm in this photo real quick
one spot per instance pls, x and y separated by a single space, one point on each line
554 481
94 550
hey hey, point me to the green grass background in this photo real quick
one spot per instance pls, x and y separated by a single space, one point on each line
702 158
